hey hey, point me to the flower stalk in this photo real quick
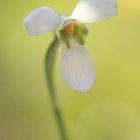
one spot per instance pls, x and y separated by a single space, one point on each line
49 72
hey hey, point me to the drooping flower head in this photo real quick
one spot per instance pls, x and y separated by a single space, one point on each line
76 65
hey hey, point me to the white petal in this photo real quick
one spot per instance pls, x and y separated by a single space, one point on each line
77 67
41 20
88 11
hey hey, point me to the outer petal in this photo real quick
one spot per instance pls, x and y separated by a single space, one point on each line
41 20
88 11
77 67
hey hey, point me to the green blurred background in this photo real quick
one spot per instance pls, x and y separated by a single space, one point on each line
109 111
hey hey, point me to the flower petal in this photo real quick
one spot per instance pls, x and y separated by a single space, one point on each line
41 20
88 11
77 67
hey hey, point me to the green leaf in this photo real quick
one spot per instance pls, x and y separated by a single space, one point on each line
64 37
81 29
80 32
79 39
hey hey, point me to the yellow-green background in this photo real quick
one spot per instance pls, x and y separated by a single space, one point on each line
109 111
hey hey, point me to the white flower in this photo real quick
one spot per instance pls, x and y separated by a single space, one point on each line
76 65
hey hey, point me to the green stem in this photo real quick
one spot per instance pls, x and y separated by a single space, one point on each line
49 72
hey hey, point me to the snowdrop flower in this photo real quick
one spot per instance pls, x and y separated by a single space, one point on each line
76 65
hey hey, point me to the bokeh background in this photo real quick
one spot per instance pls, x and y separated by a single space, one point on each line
109 111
